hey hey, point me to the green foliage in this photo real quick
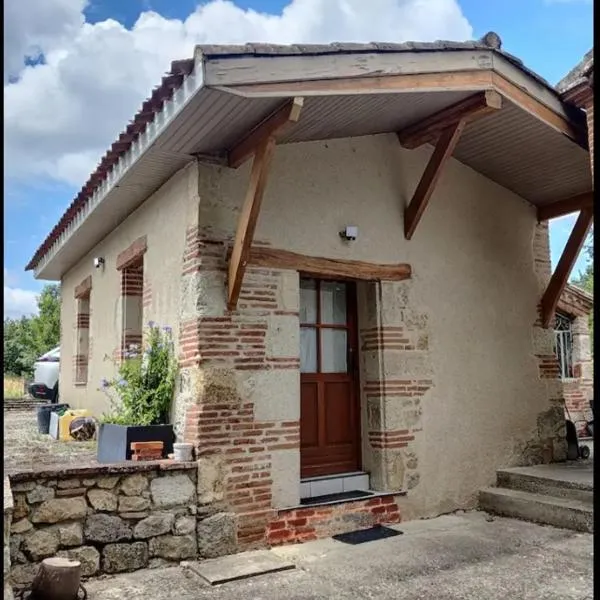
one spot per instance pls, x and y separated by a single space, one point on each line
27 338
141 394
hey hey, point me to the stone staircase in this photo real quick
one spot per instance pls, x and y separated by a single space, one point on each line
559 494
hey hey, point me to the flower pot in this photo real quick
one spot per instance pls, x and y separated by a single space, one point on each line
114 441
183 451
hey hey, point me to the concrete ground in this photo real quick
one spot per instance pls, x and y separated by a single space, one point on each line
452 557
25 449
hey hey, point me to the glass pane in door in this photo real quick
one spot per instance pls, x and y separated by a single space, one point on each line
334 351
333 303
308 301
308 350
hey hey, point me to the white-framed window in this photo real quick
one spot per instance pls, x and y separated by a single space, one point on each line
563 345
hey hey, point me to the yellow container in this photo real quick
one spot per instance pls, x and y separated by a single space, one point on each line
65 421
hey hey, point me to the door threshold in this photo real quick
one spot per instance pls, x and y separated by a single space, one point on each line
339 483
336 498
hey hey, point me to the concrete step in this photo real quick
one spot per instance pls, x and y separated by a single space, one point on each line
549 480
549 510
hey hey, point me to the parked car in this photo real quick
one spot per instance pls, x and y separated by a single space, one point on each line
45 376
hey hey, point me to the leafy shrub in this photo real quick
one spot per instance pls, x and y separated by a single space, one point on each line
141 393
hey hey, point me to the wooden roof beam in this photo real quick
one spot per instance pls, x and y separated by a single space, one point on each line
565 266
272 127
248 219
565 207
469 109
443 151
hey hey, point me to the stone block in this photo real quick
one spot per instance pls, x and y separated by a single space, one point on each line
41 543
20 506
175 490
174 547
211 474
21 526
106 529
109 482
23 574
217 535
24 486
64 484
184 525
70 492
70 534
153 526
102 499
88 556
134 485
133 504
39 494
117 558
60 509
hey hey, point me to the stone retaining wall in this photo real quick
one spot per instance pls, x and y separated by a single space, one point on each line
8 509
111 518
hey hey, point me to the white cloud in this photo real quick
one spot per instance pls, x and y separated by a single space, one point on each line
60 117
19 302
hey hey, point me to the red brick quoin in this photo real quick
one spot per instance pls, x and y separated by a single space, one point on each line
313 522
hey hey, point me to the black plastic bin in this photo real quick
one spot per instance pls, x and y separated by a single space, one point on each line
43 415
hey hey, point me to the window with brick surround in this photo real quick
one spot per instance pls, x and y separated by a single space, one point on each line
82 354
563 345
132 289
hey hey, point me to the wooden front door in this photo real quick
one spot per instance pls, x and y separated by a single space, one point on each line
329 411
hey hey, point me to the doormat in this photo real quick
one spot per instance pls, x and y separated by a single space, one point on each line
379 532
339 497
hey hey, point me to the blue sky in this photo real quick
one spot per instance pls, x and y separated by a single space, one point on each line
62 115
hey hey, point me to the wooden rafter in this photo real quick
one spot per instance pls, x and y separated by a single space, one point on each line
469 109
565 265
441 154
328 267
272 127
248 219
565 207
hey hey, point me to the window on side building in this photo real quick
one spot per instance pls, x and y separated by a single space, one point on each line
563 344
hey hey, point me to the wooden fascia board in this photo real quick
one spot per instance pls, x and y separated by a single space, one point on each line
442 152
248 219
471 108
274 258
565 265
566 206
273 126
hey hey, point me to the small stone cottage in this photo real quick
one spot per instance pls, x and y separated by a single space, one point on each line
350 242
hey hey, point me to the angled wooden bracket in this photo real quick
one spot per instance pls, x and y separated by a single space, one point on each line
469 109
565 207
565 266
248 218
443 151
272 127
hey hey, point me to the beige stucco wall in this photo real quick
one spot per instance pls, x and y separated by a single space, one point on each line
473 278
473 285
163 219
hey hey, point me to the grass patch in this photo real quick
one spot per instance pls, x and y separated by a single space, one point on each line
14 387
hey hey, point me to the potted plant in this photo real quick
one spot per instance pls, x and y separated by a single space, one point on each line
141 396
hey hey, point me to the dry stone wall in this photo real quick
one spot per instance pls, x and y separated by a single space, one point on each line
111 518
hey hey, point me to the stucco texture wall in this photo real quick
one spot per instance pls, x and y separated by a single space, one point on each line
163 219
474 288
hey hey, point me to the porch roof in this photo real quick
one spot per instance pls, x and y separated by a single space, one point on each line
535 145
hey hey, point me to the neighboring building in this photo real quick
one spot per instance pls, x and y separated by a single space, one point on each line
413 354
573 349
577 89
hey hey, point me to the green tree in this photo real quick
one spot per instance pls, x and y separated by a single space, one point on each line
27 338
